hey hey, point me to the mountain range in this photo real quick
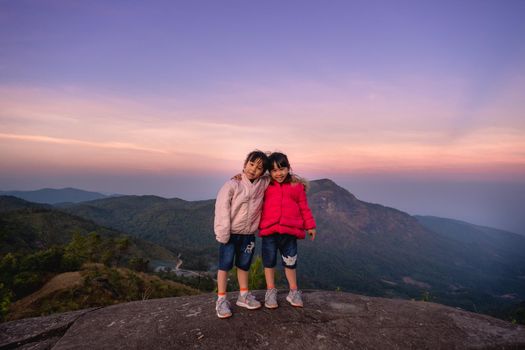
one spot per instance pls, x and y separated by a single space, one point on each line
361 247
54 196
382 251
26 227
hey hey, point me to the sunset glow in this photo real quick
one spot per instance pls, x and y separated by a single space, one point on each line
92 92
109 132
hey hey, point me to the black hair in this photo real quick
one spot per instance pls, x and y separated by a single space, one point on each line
256 155
281 161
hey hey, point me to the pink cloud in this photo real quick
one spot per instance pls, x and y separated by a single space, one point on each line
349 126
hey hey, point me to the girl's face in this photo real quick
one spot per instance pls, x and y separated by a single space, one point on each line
279 174
253 169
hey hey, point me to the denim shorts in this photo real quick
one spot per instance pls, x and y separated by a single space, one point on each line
287 245
239 248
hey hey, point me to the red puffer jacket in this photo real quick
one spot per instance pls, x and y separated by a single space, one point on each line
285 210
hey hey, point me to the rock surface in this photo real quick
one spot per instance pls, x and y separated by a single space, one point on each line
329 320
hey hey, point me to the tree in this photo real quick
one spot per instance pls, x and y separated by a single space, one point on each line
122 245
138 264
8 268
256 278
26 283
44 260
76 251
94 243
5 301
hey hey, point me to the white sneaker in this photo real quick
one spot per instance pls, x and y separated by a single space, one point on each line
270 299
222 306
248 301
295 298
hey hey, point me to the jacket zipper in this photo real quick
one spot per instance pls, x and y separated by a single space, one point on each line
282 197
247 227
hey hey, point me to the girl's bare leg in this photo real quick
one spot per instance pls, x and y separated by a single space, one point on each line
222 281
269 275
242 277
291 276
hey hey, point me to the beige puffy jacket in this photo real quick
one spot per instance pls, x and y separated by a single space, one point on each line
238 207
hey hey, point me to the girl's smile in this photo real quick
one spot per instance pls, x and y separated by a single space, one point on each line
279 174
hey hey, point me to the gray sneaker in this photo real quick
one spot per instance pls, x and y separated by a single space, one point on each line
270 299
294 298
248 301
223 308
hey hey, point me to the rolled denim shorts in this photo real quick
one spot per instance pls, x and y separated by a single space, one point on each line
287 246
240 248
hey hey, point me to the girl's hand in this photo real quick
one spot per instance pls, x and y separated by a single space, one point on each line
312 232
237 177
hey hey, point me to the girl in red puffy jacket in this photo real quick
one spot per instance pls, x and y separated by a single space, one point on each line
284 219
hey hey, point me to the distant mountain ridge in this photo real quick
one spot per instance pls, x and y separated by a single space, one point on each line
54 196
459 229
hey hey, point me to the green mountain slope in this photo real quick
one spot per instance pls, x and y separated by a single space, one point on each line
30 229
10 203
181 226
38 242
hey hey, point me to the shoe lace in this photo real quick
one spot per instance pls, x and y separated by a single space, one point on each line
271 292
223 305
296 294
250 296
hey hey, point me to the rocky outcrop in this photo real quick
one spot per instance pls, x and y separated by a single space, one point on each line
329 320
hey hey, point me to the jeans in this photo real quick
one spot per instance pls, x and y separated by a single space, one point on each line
287 246
239 248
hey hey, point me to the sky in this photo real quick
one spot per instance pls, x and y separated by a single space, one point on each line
417 105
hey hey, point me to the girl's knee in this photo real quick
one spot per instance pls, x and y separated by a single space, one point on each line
289 262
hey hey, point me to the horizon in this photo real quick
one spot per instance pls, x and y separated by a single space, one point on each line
494 221
417 106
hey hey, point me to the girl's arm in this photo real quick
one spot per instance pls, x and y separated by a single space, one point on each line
306 213
265 179
222 222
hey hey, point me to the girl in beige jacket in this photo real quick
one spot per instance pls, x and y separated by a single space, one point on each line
237 214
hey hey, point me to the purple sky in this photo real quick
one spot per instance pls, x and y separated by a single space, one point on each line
417 105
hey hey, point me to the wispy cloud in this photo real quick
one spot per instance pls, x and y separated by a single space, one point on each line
352 126
63 141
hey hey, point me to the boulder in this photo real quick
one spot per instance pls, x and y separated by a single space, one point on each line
329 320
